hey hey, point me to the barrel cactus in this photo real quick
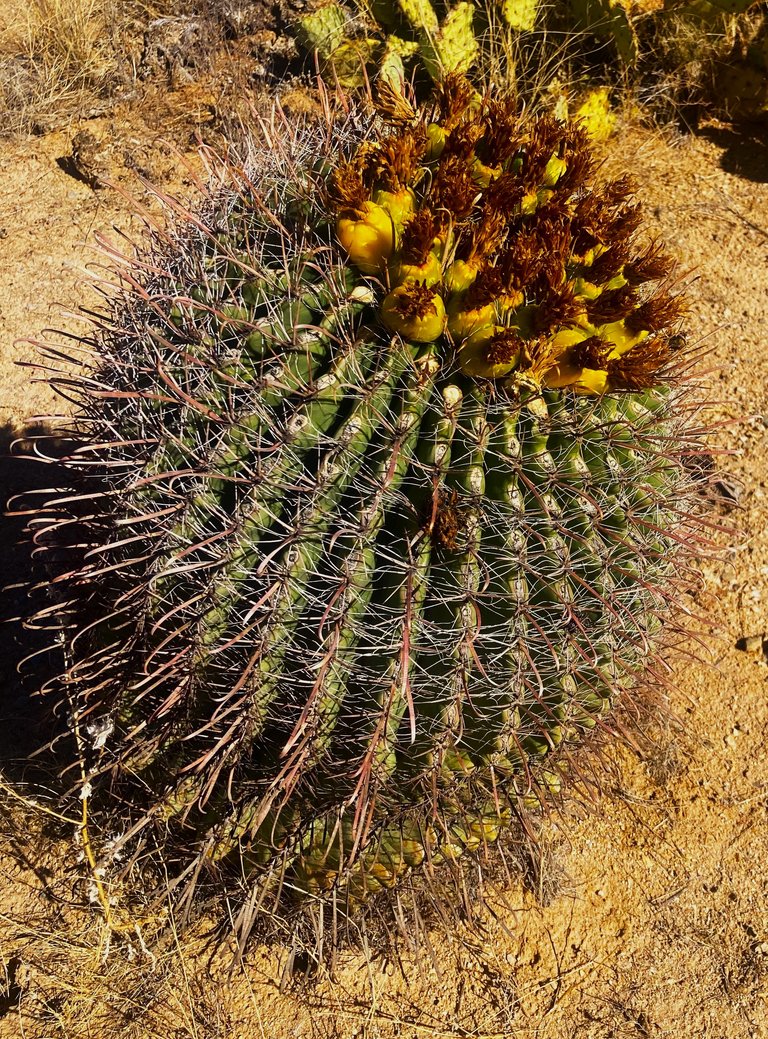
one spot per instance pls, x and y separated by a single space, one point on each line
385 501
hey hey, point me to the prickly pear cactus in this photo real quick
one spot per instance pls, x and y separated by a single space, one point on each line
385 502
519 14
441 44
453 47
608 19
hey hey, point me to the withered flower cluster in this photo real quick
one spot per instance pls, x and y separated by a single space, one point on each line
485 232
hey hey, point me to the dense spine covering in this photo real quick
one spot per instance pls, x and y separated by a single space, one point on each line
390 499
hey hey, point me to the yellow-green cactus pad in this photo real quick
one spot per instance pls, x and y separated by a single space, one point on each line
742 90
454 47
595 114
347 63
520 14
392 61
323 29
420 15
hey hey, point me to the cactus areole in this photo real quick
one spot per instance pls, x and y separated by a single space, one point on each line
386 502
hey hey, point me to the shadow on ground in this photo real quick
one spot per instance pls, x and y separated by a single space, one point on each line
27 659
744 150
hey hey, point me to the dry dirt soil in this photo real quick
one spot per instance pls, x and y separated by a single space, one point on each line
651 914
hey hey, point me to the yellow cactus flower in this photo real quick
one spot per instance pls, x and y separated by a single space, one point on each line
460 275
369 238
428 273
462 322
399 204
490 353
415 311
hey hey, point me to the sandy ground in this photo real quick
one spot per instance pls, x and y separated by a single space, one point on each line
652 914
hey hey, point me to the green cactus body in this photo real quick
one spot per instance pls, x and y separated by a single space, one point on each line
366 592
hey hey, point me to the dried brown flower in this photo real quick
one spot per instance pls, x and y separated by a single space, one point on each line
612 305
418 236
399 157
504 347
501 137
392 106
639 368
503 195
608 264
657 313
462 140
651 265
545 136
453 189
415 300
452 98
347 189
590 353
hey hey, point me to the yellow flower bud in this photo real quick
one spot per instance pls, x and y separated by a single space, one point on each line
617 282
490 352
509 301
523 318
564 372
429 273
415 311
567 371
482 174
459 276
435 141
400 205
591 381
586 289
368 239
553 171
462 322
622 339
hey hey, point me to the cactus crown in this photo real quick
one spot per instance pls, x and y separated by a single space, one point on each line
387 488
484 231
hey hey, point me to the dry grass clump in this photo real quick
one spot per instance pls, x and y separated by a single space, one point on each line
698 62
55 56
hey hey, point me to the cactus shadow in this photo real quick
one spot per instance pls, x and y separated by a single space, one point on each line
27 657
744 150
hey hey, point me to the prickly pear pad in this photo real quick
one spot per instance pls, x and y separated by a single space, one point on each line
385 504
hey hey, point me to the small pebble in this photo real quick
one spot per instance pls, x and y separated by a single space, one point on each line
751 643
